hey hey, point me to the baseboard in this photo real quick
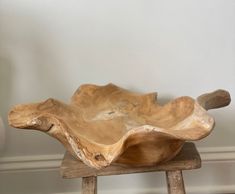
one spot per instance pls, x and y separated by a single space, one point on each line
49 162
217 154
30 163
216 176
218 189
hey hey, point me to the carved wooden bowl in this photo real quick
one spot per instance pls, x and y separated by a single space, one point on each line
106 124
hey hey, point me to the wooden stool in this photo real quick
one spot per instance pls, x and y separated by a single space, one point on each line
187 159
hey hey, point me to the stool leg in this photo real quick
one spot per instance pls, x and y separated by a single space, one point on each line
175 182
89 185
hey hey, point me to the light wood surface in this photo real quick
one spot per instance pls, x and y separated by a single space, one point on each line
175 182
187 159
107 124
89 185
216 99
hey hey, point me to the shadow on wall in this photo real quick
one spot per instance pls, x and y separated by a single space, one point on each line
29 64
48 67
34 49
5 95
47 59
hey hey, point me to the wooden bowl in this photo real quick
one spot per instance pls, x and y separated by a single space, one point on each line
106 124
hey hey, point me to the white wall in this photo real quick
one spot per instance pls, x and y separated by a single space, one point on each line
49 48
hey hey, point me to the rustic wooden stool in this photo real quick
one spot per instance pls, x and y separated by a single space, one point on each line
187 159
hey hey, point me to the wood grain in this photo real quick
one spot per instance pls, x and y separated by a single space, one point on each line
89 185
216 99
175 182
106 124
188 158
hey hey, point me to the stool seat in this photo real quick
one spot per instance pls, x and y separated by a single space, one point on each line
188 158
